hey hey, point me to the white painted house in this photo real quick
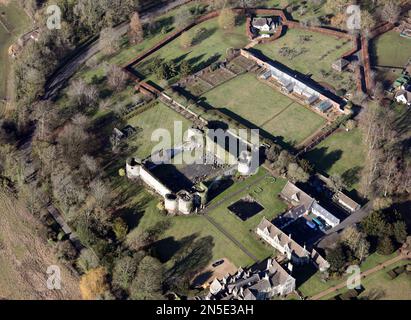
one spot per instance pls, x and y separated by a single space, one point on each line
404 97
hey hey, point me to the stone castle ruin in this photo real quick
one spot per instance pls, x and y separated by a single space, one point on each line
183 185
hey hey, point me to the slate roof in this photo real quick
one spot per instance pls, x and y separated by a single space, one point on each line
296 196
319 260
255 283
283 238
340 63
347 201
260 22
320 211
407 94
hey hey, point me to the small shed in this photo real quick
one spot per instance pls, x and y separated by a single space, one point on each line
340 64
346 202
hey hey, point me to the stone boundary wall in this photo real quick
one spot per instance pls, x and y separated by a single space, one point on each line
248 28
365 53
369 83
170 38
153 182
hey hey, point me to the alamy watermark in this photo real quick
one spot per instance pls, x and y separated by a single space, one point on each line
54 17
193 146
354 280
354 17
54 278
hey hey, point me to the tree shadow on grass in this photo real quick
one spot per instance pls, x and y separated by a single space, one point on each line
214 58
303 273
189 261
403 122
202 34
181 58
201 278
324 160
351 176
166 248
131 216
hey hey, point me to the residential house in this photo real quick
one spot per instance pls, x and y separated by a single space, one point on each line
260 282
263 24
319 262
296 197
404 97
297 254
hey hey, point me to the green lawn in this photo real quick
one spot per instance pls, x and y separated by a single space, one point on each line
198 226
265 193
214 43
186 226
315 56
315 285
390 49
16 22
383 286
126 53
158 117
342 153
266 108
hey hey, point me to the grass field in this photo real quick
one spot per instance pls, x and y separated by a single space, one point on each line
26 255
158 117
380 286
342 153
315 285
313 57
181 227
392 50
198 226
265 192
266 108
211 46
16 21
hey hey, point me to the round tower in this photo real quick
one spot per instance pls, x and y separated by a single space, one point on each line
244 163
185 202
201 192
133 166
170 202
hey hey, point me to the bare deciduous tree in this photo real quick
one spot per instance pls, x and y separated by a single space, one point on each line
136 33
391 12
109 41
116 78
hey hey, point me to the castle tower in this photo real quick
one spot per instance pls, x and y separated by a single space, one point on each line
170 203
133 166
185 202
244 163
